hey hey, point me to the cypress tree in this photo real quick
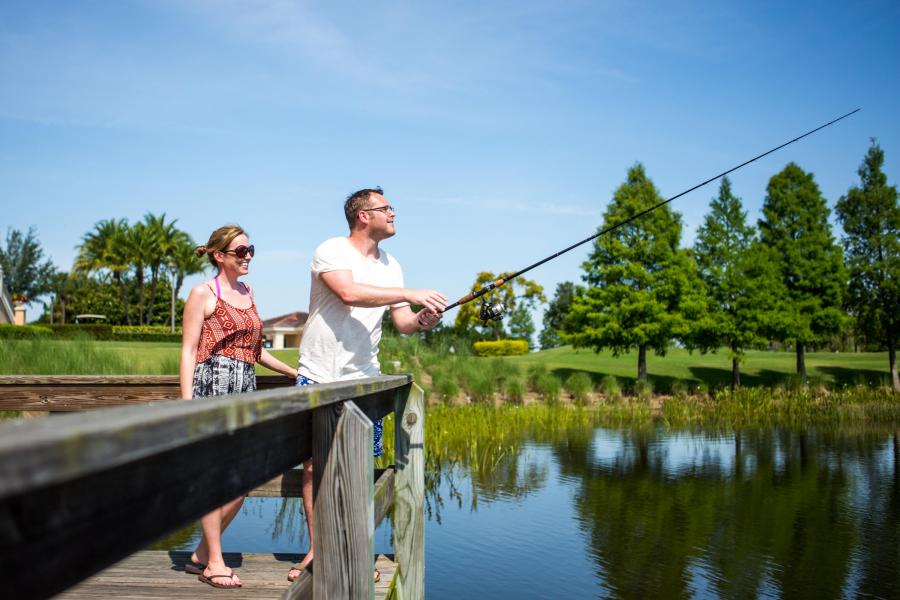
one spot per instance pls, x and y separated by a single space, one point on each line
870 216
809 262
642 290
740 279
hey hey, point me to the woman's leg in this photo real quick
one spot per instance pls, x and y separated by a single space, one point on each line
214 524
307 490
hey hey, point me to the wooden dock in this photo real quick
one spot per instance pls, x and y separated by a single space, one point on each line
72 486
160 574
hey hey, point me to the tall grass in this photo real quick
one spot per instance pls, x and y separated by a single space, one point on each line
71 357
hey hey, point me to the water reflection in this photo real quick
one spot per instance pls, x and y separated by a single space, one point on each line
673 514
646 512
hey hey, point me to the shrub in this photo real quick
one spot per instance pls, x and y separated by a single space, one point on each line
24 332
549 387
445 386
481 387
535 373
96 331
145 333
610 387
501 348
515 390
679 388
502 370
579 385
643 389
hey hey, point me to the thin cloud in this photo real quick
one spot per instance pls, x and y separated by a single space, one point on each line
295 25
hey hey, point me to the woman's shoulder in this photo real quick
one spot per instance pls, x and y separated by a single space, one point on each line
203 290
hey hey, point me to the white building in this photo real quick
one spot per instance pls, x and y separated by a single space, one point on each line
284 331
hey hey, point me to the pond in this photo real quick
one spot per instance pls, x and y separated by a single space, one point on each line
640 512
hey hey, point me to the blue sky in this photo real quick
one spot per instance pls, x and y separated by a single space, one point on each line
499 130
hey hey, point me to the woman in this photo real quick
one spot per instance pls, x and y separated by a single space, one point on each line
221 343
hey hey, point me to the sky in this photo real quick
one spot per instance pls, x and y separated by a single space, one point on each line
498 130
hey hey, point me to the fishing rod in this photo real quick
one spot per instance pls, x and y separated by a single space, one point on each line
495 311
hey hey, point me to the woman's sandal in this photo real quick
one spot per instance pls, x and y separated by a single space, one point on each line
211 580
194 568
376 576
308 568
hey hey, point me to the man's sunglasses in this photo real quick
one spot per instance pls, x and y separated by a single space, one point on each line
242 251
382 209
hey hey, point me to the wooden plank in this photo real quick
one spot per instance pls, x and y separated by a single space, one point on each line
155 574
409 493
384 494
80 491
344 511
289 485
63 393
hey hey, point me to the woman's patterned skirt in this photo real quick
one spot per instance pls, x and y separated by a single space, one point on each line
219 375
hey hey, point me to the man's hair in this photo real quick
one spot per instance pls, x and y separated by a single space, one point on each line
358 201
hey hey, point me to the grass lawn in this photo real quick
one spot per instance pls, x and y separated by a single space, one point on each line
758 368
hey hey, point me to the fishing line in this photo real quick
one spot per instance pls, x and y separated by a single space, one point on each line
495 311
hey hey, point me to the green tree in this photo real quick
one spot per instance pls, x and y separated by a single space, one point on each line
555 315
643 291
140 247
870 216
521 324
519 291
104 251
25 274
809 262
61 291
741 282
162 237
182 262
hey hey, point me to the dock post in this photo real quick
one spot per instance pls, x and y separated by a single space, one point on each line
409 493
344 503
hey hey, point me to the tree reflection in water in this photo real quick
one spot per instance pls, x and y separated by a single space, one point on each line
776 517
666 513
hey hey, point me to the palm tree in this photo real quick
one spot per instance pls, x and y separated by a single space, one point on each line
183 262
160 240
106 248
140 247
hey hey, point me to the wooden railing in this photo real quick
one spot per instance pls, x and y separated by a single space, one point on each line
80 491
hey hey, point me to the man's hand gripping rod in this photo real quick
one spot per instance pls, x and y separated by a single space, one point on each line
499 282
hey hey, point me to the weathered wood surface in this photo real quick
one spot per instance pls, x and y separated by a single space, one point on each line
288 485
159 574
409 493
344 512
160 466
64 393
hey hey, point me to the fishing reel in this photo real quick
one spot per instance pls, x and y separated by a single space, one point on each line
491 312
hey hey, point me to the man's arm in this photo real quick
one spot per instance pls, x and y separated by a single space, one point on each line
370 296
406 321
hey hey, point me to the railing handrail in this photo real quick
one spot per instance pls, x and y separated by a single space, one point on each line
81 491
65 393
39 452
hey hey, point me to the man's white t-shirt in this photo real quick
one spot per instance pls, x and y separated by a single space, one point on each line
341 342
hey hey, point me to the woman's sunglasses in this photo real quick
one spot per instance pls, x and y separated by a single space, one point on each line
242 251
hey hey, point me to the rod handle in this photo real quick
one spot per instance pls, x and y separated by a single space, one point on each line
472 295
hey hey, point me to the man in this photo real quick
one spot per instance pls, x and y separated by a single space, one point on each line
353 283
